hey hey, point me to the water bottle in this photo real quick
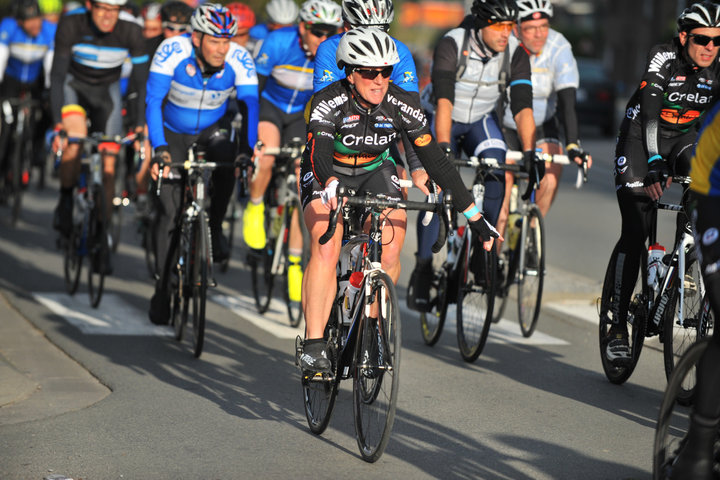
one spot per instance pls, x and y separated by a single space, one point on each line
352 287
514 226
478 191
656 267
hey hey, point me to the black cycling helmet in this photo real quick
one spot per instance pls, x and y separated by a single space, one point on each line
27 9
176 11
699 15
494 11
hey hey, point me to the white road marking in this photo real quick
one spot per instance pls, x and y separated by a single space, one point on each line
580 309
274 321
114 316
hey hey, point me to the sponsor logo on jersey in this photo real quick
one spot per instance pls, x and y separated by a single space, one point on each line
190 70
423 140
383 125
710 236
326 107
351 118
381 118
374 139
164 53
633 112
622 170
621 161
408 77
395 181
659 60
349 125
634 184
704 86
679 78
406 109
262 59
244 59
643 84
677 97
327 76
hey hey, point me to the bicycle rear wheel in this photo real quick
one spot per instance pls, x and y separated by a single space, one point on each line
98 248
476 298
199 268
674 419
377 368
531 273
636 318
72 262
679 337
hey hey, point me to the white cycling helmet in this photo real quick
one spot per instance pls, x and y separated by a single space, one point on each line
534 9
368 12
323 12
119 3
282 12
699 15
366 47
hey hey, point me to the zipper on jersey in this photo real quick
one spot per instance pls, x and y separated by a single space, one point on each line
202 96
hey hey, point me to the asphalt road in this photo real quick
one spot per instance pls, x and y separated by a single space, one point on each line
527 409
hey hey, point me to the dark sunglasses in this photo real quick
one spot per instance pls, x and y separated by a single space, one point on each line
175 27
322 32
703 40
371 73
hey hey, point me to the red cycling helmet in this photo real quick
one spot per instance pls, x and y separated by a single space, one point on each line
244 16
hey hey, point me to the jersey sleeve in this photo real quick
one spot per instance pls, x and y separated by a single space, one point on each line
246 85
404 74
657 73
326 70
321 133
166 59
444 68
64 37
520 81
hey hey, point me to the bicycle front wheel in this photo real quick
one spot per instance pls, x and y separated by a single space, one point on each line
636 317
199 268
679 336
476 298
532 272
674 419
320 390
377 367
98 248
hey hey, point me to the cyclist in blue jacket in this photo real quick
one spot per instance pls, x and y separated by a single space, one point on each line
188 91
26 50
285 66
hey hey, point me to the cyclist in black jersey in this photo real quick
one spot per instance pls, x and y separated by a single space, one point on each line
351 123
656 140
90 48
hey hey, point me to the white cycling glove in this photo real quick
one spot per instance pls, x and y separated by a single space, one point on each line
330 192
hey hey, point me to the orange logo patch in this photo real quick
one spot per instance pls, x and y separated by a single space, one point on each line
423 140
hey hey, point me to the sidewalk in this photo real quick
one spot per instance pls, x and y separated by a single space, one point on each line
37 379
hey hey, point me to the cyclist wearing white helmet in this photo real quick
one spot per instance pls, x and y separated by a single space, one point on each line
368 56
555 81
285 65
656 140
90 48
189 88
279 13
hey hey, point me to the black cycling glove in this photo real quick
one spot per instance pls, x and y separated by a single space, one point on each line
483 230
658 172
574 151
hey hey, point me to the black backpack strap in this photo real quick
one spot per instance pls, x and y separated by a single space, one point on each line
464 53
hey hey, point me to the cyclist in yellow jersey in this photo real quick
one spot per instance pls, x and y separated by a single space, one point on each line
696 456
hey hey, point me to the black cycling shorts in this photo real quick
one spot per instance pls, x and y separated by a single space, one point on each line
291 125
381 180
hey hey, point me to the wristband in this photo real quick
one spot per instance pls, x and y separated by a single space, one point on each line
654 157
472 212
